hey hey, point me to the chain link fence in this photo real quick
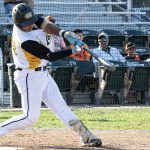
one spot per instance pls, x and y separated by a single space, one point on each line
86 82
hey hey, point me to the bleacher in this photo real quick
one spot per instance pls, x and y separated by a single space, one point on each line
76 79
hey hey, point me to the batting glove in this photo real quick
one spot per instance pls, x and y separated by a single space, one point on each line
72 38
76 49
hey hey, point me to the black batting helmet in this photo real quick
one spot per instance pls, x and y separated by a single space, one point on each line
23 15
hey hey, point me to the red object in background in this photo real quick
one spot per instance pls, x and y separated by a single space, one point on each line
137 57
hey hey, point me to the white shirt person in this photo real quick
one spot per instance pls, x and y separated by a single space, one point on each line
105 51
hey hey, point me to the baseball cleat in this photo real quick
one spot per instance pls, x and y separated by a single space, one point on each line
91 142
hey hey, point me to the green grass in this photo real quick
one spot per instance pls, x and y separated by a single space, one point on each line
100 118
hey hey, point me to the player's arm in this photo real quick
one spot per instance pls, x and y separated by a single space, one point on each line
42 52
48 26
51 28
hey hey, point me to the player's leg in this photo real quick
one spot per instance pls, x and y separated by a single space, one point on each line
54 100
31 103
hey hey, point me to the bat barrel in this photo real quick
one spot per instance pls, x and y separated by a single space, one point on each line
106 63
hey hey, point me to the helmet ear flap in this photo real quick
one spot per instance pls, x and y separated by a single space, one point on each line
23 15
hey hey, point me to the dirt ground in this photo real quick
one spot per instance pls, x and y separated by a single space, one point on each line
65 139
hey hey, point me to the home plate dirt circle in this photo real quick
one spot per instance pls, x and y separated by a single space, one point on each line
65 139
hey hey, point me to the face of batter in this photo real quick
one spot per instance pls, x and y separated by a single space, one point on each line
28 28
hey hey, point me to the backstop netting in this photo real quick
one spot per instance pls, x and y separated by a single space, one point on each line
88 81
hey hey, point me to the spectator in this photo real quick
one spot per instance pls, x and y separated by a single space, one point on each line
130 49
105 51
82 55
59 43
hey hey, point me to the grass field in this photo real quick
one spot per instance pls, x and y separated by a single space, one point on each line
99 118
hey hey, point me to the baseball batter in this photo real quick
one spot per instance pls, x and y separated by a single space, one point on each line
32 49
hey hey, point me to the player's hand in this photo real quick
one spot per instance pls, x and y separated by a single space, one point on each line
50 18
73 38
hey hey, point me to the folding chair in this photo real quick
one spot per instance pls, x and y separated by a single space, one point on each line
138 40
91 41
115 37
139 77
62 76
90 38
111 81
111 32
116 41
55 64
89 32
59 63
137 37
82 78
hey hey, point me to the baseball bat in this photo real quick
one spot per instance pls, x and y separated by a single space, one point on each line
106 63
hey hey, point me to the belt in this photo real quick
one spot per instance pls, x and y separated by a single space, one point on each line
35 69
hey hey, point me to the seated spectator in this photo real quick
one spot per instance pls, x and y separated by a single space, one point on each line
59 43
105 51
82 55
130 49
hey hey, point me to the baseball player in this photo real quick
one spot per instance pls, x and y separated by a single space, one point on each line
32 51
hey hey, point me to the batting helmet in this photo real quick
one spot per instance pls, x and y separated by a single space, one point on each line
23 15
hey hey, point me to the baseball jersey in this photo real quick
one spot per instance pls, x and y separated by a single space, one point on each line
59 43
113 54
22 58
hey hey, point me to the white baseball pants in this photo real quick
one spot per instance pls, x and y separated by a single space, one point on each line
35 87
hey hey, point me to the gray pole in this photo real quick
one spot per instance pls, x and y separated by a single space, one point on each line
10 74
129 7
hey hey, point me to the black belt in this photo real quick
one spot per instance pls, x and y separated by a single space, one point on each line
35 69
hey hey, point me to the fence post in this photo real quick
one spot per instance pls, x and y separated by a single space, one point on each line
1 78
15 98
129 7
